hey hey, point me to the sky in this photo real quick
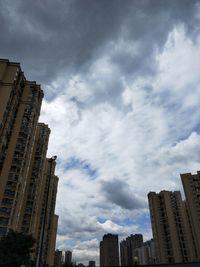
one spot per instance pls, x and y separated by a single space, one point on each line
122 89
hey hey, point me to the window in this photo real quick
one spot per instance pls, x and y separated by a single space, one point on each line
4 221
2 231
7 201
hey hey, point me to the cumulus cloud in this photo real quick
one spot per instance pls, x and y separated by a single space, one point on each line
146 137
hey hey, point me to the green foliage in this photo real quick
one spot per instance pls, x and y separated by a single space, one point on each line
15 249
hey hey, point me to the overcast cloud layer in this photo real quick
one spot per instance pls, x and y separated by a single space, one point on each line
122 89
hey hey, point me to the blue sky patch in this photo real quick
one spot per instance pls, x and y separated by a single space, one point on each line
101 219
82 165
143 221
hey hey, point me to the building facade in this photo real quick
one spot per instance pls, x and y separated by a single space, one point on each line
109 250
146 253
171 232
47 219
68 257
33 200
28 184
91 264
128 249
57 258
191 186
124 253
20 109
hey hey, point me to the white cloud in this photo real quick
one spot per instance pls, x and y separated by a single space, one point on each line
110 227
145 139
179 63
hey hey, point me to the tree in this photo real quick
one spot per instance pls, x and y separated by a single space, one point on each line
15 249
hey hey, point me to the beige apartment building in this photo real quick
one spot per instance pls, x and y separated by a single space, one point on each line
19 109
52 243
109 250
32 205
28 184
47 218
171 232
146 253
191 185
128 249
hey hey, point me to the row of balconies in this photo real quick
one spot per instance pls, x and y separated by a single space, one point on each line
4 221
7 201
3 230
5 211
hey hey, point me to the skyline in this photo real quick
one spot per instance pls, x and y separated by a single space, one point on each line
121 84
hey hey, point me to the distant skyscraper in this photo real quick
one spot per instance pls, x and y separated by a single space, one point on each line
109 250
191 185
128 249
28 184
58 258
68 257
173 242
146 253
91 264
124 253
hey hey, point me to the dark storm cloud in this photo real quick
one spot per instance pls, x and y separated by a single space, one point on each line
50 37
119 193
148 29
58 34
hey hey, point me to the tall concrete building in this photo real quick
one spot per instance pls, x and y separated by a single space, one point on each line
124 253
27 182
191 185
52 242
20 103
91 264
33 204
146 253
128 249
47 218
171 233
68 257
57 258
109 250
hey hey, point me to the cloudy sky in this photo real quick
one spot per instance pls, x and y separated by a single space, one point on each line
122 90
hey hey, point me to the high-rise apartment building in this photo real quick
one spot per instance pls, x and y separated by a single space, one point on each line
171 233
52 242
146 253
68 257
191 185
109 250
28 185
91 264
47 219
57 258
128 249
124 253
33 202
20 109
